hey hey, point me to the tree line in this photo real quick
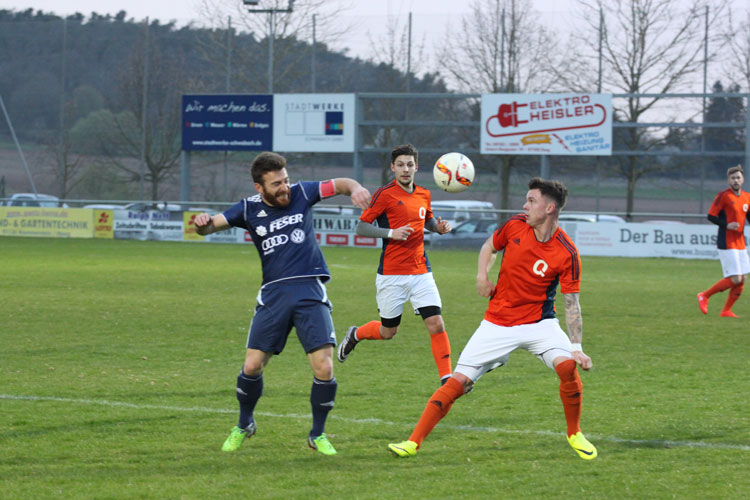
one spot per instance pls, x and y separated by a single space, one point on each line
108 86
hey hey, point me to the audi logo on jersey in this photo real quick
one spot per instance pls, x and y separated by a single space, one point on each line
540 267
270 243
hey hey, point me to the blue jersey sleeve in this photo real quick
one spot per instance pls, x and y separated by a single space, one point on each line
235 215
311 191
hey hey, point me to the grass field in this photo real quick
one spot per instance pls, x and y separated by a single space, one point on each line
119 360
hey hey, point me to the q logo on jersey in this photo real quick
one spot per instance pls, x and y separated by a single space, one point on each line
540 267
270 243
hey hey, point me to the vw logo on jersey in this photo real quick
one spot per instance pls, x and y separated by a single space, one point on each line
540 267
270 243
298 236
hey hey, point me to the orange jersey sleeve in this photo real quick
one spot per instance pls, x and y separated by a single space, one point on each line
530 274
392 207
730 207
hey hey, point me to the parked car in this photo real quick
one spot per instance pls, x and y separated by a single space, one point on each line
141 206
574 217
457 211
104 206
35 200
467 234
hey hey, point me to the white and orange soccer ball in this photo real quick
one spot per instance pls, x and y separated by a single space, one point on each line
453 172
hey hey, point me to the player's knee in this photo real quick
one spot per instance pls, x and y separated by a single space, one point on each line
435 324
566 370
737 279
388 333
324 372
465 381
252 369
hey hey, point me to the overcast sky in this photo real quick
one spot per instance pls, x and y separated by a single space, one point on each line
430 17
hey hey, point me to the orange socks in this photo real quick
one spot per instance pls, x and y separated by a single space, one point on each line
437 407
441 351
734 294
369 331
570 394
719 286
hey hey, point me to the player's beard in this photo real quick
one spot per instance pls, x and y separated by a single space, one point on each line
278 200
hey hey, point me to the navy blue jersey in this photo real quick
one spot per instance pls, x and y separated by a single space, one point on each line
284 237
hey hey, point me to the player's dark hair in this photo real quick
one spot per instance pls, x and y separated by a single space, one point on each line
553 190
266 162
404 149
735 169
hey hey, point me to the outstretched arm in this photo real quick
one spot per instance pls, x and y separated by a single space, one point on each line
575 329
207 224
360 195
373 231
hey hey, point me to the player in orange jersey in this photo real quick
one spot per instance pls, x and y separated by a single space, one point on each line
402 210
537 256
729 212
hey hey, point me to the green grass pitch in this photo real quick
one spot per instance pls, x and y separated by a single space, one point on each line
119 360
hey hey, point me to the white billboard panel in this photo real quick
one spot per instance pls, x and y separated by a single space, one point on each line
313 123
546 124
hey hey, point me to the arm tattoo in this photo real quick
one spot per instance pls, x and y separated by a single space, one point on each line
573 317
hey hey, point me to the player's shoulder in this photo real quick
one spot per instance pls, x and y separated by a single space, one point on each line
385 191
515 223
254 199
566 242
421 190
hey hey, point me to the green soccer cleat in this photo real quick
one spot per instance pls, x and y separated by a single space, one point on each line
585 450
321 444
237 436
403 449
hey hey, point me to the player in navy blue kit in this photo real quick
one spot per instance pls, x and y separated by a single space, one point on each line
279 220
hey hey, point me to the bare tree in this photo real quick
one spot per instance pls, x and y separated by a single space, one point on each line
404 61
648 46
739 53
296 26
498 49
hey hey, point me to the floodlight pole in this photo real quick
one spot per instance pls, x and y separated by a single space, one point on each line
272 12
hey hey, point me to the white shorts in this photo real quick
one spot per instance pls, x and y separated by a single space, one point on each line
734 262
394 290
491 345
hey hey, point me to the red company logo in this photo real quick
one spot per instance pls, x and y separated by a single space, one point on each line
510 116
364 241
103 218
337 239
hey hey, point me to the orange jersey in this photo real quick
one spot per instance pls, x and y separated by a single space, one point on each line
393 207
730 207
530 272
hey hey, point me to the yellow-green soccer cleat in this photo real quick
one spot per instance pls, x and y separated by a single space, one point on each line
321 444
237 436
403 449
585 450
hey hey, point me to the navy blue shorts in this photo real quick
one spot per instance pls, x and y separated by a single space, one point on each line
301 303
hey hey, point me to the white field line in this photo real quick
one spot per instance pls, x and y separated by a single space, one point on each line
655 443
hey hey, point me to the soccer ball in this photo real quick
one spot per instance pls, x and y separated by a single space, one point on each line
453 172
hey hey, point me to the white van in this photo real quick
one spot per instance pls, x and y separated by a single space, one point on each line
457 211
